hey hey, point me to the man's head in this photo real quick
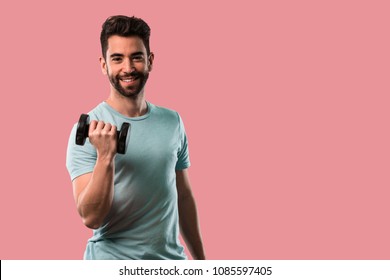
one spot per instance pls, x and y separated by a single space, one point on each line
126 59
124 26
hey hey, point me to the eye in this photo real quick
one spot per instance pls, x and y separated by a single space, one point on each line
138 58
116 59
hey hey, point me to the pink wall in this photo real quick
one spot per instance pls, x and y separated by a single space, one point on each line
286 105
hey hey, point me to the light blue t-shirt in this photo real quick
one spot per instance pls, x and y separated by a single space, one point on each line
143 222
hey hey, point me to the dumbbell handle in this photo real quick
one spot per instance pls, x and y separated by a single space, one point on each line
83 128
87 130
120 134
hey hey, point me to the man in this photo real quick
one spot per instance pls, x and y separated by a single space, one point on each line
135 201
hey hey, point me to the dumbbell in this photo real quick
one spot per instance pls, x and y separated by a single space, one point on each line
83 128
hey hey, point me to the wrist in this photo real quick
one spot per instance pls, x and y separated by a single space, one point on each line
107 161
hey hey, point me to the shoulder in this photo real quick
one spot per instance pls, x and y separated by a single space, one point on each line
165 113
99 111
162 110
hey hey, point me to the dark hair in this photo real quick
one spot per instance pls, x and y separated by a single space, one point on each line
124 26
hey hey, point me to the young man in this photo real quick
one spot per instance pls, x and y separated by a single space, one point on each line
135 201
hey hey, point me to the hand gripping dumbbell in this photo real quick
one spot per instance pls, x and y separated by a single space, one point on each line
83 128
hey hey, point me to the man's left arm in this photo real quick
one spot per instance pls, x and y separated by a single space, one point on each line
188 217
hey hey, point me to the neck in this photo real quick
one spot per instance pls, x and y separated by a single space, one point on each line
128 106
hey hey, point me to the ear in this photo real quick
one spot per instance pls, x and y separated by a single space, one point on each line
103 65
150 61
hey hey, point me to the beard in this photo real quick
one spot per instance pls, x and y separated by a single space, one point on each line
130 91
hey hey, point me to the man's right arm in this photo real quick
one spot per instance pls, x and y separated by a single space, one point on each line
94 192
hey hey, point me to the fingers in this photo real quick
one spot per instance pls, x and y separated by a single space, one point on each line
103 137
109 128
92 127
101 126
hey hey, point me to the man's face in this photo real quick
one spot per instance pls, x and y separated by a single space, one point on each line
127 65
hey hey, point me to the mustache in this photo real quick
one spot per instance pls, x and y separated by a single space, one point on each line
133 74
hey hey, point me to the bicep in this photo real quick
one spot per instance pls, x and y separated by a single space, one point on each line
79 184
183 184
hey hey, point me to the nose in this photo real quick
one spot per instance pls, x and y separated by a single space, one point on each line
128 66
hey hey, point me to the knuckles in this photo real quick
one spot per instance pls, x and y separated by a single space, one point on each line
103 136
101 129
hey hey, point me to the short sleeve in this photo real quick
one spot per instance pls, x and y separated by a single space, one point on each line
183 159
79 159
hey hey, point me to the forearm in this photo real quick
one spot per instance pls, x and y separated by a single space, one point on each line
189 226
95 201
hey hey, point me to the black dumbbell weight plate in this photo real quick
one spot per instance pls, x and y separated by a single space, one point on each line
82 129
122 136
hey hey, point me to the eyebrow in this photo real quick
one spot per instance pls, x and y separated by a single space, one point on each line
137 53
121 55
116 54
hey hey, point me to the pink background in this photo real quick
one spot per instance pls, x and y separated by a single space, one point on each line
286 106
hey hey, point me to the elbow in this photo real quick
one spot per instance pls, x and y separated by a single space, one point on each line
90 219
91 222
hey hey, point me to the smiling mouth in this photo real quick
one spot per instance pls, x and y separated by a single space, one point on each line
128 79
